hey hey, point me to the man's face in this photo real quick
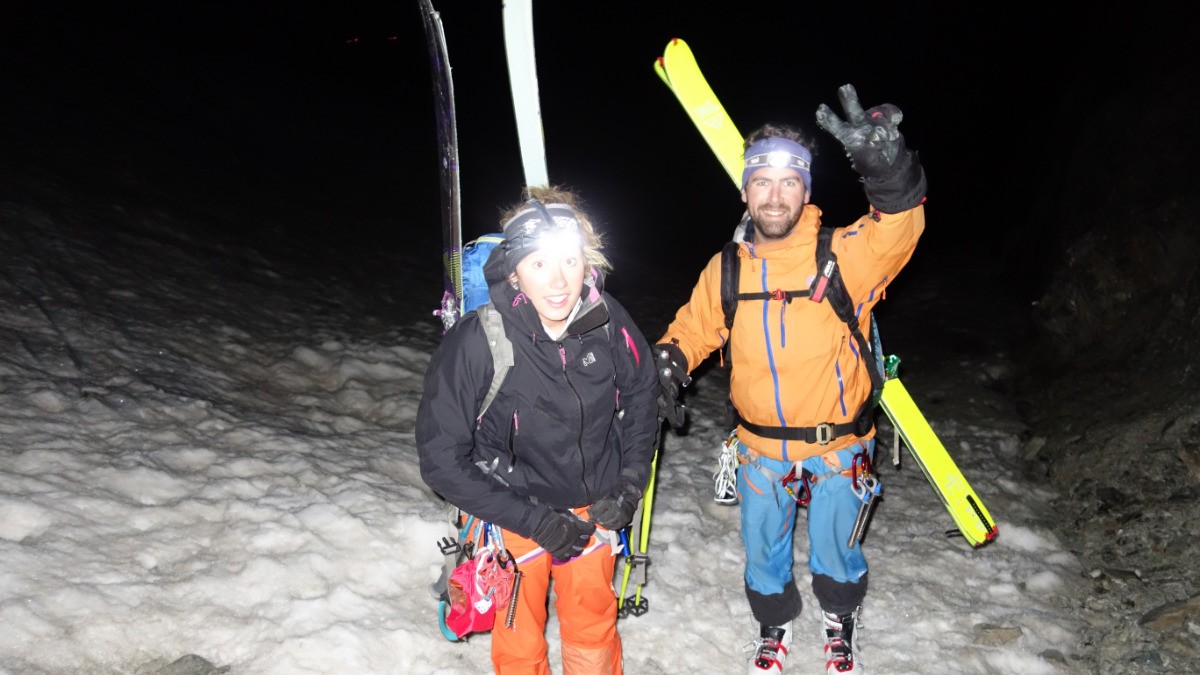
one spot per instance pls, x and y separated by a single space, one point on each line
774 198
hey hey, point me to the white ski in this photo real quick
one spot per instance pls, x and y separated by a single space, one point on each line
522 76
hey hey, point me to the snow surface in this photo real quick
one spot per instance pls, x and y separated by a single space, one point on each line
203 451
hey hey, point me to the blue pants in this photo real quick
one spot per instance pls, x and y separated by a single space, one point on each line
769 521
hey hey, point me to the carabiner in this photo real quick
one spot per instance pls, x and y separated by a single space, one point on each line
805 495
862 482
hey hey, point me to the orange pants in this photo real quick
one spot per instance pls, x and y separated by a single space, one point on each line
586 605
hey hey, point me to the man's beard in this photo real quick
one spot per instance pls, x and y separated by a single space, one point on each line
774 227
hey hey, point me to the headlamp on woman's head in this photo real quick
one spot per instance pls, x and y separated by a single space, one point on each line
552 227
559 241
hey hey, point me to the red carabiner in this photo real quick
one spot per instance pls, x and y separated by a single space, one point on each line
805 495
861 467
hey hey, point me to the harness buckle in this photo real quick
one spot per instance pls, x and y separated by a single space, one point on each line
824 433
779 294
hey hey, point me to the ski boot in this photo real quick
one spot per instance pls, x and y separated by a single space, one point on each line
770 649
841 656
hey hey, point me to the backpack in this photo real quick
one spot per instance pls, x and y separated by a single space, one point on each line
827 285
475 297
474 254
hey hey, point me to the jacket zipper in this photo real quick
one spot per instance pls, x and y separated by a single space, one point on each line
513 430
562 354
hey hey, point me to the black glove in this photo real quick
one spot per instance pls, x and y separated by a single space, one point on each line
892 175
564 535
615 510
672 369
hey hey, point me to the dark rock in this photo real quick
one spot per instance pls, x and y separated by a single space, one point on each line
189 664
1172 615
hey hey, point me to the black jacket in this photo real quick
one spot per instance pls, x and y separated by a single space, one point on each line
573 416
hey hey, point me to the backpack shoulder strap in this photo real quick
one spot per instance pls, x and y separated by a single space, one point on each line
730 275
829 285
828 281
501 348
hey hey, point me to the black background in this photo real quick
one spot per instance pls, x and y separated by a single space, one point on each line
320 115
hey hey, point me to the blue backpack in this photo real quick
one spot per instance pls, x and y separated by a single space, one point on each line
474 255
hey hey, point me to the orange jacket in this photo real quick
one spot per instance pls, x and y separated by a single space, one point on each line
796 364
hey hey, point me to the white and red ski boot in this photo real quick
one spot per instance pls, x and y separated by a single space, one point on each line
770 649
841 655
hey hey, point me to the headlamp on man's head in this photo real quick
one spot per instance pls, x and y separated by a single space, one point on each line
781 159
778 153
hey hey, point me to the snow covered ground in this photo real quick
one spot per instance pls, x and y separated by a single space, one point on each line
207 449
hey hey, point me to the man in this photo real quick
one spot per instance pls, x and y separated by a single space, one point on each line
800 386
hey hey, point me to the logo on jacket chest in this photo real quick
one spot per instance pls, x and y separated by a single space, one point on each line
588 359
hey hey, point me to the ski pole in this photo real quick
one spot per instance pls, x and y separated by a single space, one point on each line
628 564
647 511
641 522
634 534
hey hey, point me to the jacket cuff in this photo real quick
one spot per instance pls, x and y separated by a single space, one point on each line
901 190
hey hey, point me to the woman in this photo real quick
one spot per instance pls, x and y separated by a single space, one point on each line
563 451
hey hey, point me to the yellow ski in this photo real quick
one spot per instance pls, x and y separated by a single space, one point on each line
678 69
968 511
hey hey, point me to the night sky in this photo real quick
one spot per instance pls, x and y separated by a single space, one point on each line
322 113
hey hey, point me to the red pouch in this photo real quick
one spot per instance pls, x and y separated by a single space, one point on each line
476 588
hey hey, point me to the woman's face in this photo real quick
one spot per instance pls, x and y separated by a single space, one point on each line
552 278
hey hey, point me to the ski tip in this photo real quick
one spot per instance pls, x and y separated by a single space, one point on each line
660 69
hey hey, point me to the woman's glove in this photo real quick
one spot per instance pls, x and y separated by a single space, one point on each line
563 534
615 510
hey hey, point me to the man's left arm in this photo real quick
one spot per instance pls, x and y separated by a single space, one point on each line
894 182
